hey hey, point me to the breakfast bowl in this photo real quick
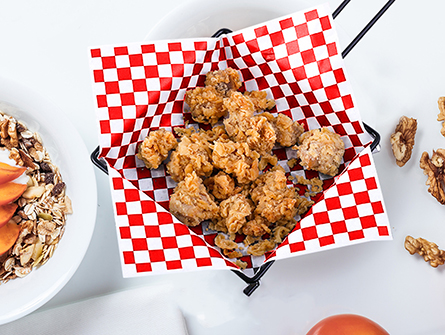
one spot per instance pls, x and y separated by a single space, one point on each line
24 294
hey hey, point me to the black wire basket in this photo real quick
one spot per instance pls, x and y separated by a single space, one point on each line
254 281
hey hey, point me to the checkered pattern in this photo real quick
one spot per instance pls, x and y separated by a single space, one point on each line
153 240
351 211
140 87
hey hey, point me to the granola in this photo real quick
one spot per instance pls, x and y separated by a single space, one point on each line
42 208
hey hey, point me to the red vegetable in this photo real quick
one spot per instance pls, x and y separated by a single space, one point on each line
347 324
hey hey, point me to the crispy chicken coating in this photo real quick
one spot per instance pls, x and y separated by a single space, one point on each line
237 159
274 200
206 103
258 226
287 131
243 126
259 100
282 229
191 203
234 211
222 186
225 81
321 150
224 243
261 247
192 154
155 148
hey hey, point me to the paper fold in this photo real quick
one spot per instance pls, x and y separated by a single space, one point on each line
296 59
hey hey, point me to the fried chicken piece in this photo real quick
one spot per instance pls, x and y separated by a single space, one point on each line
234 211
155 148
259 100
281 230
224 243
287 131
258 226
261 135
191 203
315 184
203 135
224 81
213 134
228 246
237 159
261 247
206 103
321 150
274 200
267 159
222 186
243 126
192 154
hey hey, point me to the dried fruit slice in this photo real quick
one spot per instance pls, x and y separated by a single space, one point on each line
8 235
6 213
9 173
10 192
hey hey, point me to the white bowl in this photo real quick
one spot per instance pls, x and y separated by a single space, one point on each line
21 296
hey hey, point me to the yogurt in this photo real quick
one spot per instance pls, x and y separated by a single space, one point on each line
4 158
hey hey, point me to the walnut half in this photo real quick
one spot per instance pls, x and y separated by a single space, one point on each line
428 250
441 115
402 141
434 169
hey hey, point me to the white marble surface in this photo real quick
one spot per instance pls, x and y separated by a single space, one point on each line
396 69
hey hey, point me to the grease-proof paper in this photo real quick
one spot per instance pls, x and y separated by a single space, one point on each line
296 58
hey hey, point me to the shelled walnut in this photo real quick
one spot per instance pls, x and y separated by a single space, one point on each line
402 141
434 169
428 250
441 115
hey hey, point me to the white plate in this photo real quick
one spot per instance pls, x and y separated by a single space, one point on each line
199 18
21 296
186 21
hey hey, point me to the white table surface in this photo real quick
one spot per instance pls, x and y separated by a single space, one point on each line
397 69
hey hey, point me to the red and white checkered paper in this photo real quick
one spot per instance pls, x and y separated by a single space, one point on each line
140 87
